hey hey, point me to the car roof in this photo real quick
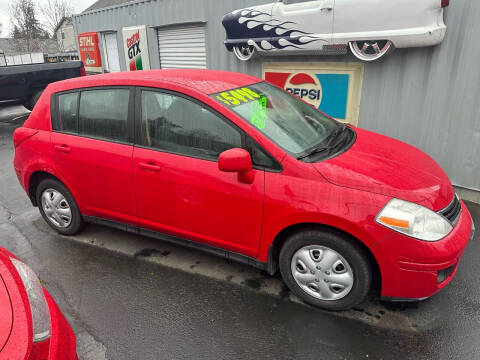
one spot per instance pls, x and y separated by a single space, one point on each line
204 81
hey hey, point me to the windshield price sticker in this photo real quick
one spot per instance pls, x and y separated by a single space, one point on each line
259 113
237 96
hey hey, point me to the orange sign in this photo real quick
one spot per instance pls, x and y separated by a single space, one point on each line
89 50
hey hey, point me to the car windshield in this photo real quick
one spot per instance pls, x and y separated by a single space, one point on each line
286 120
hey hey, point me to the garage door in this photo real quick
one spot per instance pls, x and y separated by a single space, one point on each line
182 47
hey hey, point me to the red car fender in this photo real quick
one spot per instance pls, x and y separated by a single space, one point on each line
42 162
62 343
39 118
47 169
19 344
354 213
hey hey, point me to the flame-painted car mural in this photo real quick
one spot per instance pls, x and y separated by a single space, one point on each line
369 28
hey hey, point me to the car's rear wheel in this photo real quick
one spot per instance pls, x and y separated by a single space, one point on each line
370 50
244 52
325 269
58 207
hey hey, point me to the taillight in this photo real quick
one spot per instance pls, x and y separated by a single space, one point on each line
21 134
445 3
82 71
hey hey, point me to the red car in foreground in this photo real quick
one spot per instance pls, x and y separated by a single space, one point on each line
31 324
233 165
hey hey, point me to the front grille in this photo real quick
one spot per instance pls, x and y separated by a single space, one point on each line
452 211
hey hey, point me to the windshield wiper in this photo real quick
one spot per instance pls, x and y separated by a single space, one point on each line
328 146
317 150
339 130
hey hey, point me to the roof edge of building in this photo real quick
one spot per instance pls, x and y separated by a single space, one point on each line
89 12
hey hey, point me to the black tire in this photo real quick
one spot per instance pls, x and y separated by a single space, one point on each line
76 222
343 245
31 103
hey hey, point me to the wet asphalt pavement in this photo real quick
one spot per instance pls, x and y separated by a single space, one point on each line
124 307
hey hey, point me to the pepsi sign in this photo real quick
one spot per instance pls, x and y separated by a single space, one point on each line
328 92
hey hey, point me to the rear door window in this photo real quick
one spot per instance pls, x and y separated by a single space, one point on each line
103 114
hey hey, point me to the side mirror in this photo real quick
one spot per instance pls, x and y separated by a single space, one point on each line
235 160
239 161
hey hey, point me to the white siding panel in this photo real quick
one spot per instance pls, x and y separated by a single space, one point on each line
182 47
37 58
26 59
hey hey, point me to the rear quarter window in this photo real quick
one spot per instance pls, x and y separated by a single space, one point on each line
66 119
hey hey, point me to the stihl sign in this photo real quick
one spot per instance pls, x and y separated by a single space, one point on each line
86 41
89 50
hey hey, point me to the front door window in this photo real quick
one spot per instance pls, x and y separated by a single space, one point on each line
177 125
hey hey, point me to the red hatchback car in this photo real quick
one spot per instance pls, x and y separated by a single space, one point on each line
233 165
31 324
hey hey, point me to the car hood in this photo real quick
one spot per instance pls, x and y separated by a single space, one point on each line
243 24
254 11
5 314
386 166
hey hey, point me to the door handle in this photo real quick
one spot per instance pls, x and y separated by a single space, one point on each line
150 166
63 148
327 8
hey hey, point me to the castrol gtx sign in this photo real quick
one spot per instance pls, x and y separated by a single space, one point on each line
134 52
136 49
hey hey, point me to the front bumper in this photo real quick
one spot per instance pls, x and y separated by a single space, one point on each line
412 269
419 37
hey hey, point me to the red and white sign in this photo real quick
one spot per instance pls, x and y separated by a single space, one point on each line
136 48
89 50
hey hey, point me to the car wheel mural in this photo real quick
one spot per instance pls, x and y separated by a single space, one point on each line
370 50
244 52
371 30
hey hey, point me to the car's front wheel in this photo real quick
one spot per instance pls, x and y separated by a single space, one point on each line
58 207
370 50
325 269
244 52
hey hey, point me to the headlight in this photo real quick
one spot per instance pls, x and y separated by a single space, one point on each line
38 305
414 220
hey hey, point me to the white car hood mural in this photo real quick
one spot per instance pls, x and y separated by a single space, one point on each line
255 26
